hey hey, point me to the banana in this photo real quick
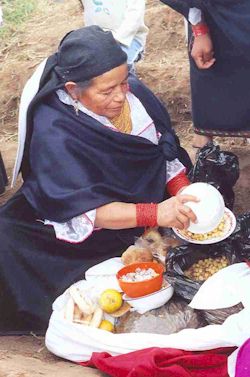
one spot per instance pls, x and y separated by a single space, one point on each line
97 318
85 320
69 310
77 313
80 301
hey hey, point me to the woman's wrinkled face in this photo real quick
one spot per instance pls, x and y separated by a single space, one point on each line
106 94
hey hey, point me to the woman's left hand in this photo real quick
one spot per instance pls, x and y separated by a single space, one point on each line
202 51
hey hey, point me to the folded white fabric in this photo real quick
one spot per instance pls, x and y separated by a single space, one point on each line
104 274
226 288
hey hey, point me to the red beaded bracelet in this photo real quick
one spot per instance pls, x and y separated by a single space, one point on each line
176 183
146 214
200 29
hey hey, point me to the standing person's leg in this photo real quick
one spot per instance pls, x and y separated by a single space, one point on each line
220 94
134 53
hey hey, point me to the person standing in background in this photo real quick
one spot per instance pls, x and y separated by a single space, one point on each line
125 19
219 40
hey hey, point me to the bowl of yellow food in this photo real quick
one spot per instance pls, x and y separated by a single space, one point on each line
209 210
220 233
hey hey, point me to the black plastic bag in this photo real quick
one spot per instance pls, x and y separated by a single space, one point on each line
235 248
218 168
183 257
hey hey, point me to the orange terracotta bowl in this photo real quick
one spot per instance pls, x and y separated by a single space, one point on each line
141 288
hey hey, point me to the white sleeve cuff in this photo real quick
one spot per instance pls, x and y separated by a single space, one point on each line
174 168
75 230
194 16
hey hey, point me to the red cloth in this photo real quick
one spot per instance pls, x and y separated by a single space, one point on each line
163 362
176 183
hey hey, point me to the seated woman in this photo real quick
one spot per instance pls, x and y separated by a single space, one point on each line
99 153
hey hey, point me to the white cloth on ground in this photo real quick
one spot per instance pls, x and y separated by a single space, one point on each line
76 342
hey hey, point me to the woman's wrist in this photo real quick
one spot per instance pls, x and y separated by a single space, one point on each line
176 184
146 214
200 29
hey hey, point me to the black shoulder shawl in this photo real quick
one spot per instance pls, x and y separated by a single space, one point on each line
76 165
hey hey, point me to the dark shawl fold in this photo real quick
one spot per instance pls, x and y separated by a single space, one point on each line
231 16
78 165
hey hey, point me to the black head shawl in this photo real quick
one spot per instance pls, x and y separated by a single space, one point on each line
83 54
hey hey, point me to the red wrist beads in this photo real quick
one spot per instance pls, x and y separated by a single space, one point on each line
146 214
200 29
176 183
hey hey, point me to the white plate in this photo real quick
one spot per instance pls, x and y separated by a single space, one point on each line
230 225
152 301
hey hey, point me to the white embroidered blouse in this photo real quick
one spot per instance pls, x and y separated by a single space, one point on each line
81 227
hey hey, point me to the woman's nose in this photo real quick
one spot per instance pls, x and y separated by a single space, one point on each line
120 95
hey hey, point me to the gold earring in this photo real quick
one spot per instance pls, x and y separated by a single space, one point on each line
76 107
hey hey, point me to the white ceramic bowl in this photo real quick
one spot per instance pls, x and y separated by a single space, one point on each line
209 210
153 301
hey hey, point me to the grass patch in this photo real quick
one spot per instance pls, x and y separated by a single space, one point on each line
15 12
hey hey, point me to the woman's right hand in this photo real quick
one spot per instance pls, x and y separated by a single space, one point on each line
174 213
202 51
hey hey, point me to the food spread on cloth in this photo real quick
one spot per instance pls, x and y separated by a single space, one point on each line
139 299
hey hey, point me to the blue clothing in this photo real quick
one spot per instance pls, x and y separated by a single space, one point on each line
220 94
67 176
75 165
133 52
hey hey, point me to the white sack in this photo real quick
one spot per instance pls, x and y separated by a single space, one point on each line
226 288
76 342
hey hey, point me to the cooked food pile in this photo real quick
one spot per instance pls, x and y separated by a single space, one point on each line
217 232
205 268
140 274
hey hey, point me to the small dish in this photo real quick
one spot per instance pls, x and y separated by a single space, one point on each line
230 224
152 301
143 287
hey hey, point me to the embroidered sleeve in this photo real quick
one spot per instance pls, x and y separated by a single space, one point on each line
75 230
174 168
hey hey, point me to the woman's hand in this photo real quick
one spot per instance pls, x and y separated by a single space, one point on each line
202 51
174 213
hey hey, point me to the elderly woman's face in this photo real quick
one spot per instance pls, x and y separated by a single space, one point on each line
106 94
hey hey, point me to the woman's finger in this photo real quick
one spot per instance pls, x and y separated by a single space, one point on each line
184 220
185 210
178 224
183 198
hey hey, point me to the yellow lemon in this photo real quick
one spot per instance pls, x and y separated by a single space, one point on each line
110 300
106 325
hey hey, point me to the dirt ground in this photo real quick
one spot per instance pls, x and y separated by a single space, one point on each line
164 69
